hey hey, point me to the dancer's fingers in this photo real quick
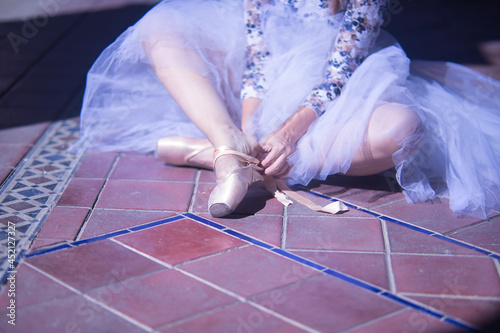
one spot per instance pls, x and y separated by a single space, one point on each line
276 166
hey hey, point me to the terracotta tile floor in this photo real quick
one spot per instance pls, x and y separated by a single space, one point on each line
129 246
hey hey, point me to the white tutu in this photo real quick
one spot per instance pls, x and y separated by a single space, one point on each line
126 107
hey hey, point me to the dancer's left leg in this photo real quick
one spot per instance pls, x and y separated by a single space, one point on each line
389 125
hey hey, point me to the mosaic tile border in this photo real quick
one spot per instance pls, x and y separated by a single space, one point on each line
31 192
252 240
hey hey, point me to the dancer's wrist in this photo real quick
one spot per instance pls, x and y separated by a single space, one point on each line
298 124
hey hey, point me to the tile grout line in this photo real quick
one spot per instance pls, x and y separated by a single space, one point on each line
195 191
467 227
98 196
187 262
144 226
197 315
394 253
334 251
452 296
282 317
230 293
374 320
142 254
352 280
245 300
388 259
93 300
411 226
284 227
497 265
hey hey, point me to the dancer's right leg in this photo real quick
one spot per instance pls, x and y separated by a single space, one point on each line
201 102
197 96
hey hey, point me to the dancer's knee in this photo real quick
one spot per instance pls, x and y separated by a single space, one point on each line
391 125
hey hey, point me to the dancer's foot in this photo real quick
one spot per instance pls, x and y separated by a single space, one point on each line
185 151
232 187
236 168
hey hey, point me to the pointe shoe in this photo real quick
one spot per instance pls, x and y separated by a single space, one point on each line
232 188
182 150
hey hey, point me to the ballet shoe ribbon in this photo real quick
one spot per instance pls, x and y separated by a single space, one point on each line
281 192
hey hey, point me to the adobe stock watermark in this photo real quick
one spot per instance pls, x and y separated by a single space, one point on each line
452 288
96 130
31 26
291 279
86 311
394 7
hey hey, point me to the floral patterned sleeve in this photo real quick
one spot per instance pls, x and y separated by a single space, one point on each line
361 26
254 83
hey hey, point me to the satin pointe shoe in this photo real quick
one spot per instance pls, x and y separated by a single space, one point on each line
182 151
232 187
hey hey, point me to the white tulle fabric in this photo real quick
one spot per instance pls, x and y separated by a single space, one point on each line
456 155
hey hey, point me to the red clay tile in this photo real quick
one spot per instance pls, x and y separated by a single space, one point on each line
70 314
266 228
334 233
434 216
136 154
94 265
257 201
4 172
23 134
63 223
103 221
164 297
150 168
249 270
236 318
12 153
473 311
486 235
32 287
147 195
405 240
207 176
406 321
180 241
327 304
369 267
96 165
81 192
446 275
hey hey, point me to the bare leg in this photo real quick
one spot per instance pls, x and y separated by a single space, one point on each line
389 125
176 68
248 108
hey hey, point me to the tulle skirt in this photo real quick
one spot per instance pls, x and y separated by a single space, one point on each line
456 155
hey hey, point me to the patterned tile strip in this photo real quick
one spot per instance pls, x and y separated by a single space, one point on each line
29 195
352 280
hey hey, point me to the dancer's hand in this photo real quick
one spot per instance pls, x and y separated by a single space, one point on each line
277 147
282 142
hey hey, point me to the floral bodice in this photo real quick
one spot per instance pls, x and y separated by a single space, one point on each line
359 29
